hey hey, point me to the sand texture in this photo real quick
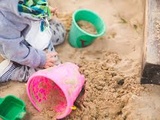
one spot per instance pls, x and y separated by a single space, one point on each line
111 66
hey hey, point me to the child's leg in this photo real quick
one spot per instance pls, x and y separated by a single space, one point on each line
58 32
22 73
58 36
13 71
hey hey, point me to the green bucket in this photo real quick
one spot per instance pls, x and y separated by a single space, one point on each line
80 38
12 108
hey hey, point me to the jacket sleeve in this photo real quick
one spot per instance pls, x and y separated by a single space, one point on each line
14 47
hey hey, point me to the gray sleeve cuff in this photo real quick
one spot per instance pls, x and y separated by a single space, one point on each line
43 58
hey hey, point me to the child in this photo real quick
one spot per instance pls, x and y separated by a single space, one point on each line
27 38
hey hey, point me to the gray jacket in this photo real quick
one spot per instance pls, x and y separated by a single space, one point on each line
13 28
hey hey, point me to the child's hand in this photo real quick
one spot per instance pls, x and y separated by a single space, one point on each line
50 61
53 10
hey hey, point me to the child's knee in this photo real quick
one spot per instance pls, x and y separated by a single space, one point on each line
58 32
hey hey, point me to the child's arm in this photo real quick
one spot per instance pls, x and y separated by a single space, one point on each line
15 48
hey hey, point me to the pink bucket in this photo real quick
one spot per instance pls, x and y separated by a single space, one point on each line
56 88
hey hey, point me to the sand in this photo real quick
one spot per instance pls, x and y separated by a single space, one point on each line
111 65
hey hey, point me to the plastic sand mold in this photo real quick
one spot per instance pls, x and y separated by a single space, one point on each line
12 108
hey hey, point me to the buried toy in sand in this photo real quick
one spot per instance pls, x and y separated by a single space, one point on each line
55 89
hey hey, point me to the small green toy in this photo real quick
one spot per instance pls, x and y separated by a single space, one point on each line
12 108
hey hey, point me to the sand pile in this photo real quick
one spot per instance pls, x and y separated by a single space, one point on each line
108 87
